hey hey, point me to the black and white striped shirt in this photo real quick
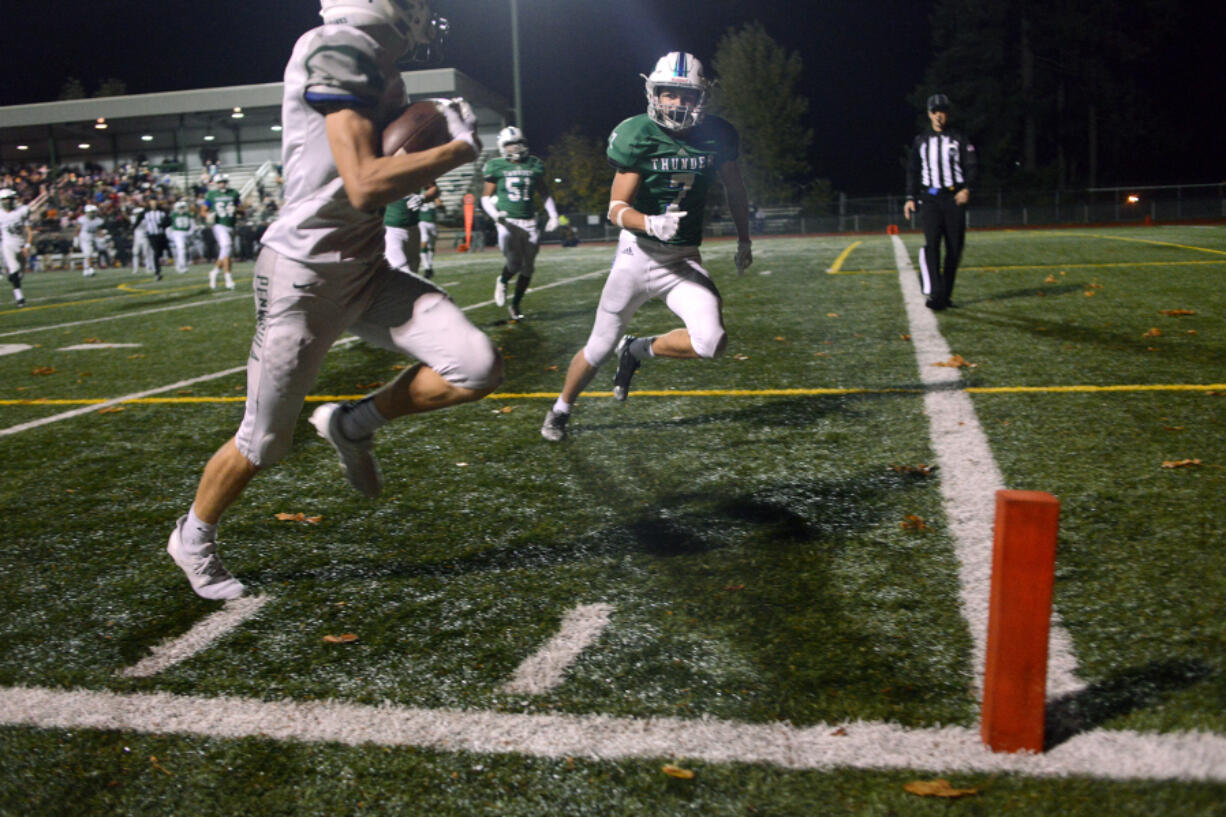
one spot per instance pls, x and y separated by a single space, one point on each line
154 222
941 161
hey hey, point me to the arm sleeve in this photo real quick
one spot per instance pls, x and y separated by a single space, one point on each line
551 207
489 205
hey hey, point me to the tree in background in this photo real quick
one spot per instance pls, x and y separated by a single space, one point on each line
112 86
579 161
1054 93
72 89
757 91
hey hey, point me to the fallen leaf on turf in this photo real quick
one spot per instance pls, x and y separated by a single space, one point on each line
1191 332
925 470
110 410
734 587
185 329
1051 279
839 733
1176 313
832 314
936 788
1182 463
43 370
461 465
677 772
154 760
956 362
780 337
92 340
1173 428
184 391
343 638
551 368
740 357
1089 293
372 385
136 356
505 410
1153 333
904 337
299 517
913 522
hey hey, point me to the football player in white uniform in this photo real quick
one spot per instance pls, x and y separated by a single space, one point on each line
17 236
142 250
667 160
87 238
321 271
512 180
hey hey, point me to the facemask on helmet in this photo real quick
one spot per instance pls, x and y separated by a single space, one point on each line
681 73
415 29
8 198
512 144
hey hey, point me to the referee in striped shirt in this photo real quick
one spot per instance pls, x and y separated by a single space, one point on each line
941 171
154 223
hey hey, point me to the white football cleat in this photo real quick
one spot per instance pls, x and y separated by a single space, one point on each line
554 427
500 293
361 468
208 576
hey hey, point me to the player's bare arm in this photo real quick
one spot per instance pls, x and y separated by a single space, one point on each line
738 199
372 180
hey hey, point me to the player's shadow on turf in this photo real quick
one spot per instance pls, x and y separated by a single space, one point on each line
1026 292
1121 693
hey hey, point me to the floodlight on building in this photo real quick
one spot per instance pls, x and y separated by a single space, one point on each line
100 123
1134 198
275 128
208 137
237 114
23 147
145 137
84 146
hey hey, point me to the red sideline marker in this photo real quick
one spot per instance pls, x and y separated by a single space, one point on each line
1019 617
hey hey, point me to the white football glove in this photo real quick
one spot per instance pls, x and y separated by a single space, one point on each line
664 226
551 224
414 202
744 256
461 121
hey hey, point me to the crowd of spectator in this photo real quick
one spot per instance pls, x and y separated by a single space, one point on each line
117 194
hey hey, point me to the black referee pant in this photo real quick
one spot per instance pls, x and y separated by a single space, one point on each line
941 217
160 245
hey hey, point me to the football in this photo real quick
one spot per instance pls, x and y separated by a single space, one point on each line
420 126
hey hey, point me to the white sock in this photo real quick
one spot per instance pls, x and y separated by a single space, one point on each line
17 296
361 419
196 532
560 406
641 348
229 280
213 273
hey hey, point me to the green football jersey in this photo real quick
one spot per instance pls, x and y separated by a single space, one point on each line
224 204
516 184
676 168
181 221
398 214
429 212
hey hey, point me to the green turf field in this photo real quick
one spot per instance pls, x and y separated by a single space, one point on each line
773 558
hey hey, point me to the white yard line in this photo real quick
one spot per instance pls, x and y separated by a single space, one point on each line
215 300
204 633
969 480
77 412
1100 753
546 668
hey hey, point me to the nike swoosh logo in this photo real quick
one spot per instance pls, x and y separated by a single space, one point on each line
307 285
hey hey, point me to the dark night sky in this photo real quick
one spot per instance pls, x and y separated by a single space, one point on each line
580 58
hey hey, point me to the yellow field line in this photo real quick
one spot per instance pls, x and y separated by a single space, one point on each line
827 392
1144 241
127 288
838 262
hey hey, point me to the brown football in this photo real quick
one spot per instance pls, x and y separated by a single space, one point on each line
420 126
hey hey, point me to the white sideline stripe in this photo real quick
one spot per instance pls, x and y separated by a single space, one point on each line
546 669
143 312
77 412
1188 756
969 480
204 633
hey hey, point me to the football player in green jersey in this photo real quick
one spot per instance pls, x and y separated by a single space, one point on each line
666 161
427 225
512 180
226 207
401 241
181 227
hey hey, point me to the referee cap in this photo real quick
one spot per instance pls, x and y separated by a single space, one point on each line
938 102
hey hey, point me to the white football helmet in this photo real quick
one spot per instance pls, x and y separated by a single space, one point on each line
677 71
8 198
415 25
180 205
512 144
222 179
91 208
